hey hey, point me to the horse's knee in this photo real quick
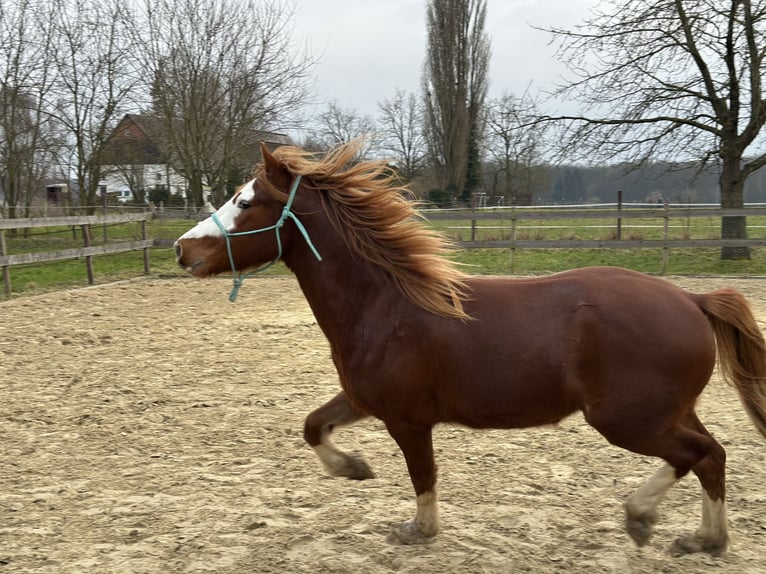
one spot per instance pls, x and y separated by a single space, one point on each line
313 428
337 412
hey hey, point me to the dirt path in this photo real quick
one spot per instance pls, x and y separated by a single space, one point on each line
152 427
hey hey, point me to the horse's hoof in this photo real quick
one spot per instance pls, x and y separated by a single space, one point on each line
695 543
640 528
350 466
408 533
357 468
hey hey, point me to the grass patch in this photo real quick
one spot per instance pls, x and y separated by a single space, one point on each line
543 261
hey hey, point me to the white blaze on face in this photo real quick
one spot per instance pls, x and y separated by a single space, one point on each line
227 214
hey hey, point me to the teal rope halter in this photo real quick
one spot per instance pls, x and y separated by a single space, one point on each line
287 213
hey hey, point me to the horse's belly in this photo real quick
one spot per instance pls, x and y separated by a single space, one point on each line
509 400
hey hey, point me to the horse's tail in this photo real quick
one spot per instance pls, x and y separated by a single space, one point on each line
741 349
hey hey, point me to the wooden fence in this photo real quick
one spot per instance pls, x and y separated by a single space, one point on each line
512 220
515 216
88 251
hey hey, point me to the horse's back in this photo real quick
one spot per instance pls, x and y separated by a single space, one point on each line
617 297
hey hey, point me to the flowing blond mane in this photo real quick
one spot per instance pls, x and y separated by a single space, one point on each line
366 203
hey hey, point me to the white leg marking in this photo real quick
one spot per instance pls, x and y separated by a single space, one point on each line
645 500
714 524
641 506
424 527
427 514
339 463
711 537
333 459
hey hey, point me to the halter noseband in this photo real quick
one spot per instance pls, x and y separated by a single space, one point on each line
239 278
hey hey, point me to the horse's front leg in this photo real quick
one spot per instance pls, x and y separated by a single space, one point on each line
317 430
417 445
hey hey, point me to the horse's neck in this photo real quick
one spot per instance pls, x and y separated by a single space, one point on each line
342 290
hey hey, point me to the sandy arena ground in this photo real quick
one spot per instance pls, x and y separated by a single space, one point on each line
153 427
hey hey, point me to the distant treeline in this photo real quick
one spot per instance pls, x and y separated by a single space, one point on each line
677 183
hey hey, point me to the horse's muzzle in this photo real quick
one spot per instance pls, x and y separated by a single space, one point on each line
186 265
179 256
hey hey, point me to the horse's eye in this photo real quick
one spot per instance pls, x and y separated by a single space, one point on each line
243 204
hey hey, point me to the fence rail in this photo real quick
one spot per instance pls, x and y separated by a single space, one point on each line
513 215
75 220
87 251
510 219
563 212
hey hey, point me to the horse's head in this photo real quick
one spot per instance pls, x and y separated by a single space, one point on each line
245 232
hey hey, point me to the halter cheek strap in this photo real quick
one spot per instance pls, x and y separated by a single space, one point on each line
287 213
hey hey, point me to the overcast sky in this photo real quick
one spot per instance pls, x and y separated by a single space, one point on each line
369 48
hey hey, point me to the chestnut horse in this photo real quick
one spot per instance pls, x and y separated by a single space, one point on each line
417 342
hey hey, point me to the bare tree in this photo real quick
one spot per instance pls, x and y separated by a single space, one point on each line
401 134
25 78
222 71
677 79
338 125
455 86
515 146
133 175
95 82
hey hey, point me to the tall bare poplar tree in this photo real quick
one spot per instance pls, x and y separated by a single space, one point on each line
673 79
455 87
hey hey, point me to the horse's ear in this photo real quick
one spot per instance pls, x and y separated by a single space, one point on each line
268 159
275 170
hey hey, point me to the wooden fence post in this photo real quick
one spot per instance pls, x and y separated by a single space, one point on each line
513 239
665 247
88 258
619 209
103 209
144 235
6 268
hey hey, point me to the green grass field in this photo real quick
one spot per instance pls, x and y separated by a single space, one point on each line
28 279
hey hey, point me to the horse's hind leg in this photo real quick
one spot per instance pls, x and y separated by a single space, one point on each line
317 430
685 446
712 536
641 506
